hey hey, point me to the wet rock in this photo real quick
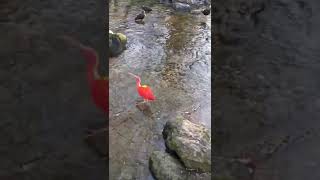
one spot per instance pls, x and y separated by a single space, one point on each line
182 7
117 43
191 142
194 3
165 167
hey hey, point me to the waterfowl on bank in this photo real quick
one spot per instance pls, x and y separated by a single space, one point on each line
206 11
140 16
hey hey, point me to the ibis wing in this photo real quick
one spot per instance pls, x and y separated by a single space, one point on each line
146 93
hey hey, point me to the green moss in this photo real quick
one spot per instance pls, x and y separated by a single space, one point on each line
122 37
117 43
173 145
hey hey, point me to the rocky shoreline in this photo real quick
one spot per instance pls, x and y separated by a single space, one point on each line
188 153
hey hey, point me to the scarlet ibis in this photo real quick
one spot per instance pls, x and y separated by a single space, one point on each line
144 91
140 16
99 86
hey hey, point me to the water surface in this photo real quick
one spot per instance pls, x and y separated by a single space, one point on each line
172 53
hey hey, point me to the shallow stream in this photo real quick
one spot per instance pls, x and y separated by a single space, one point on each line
171 52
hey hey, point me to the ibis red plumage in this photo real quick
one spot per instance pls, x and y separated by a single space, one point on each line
99 86
143 90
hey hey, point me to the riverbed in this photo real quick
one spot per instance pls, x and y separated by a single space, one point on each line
171 52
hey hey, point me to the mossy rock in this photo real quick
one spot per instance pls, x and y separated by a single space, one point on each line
191 142
165 167
117 43
122 37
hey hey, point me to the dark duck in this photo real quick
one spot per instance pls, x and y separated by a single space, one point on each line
206 11
140 16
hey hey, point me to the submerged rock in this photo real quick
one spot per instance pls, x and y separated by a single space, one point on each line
165 167
182 7
191 142
193 3
117 43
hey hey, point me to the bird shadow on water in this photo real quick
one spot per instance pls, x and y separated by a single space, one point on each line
145 109
147 112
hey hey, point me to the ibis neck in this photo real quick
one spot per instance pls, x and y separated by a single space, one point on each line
92 72
138 82
92 60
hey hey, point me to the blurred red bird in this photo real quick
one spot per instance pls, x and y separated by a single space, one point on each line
99 86
144 91
99 90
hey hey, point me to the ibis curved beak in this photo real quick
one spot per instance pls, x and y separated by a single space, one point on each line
133 75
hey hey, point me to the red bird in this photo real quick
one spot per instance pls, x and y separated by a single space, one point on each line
144 91
99 86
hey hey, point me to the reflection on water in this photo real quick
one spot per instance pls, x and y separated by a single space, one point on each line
171 53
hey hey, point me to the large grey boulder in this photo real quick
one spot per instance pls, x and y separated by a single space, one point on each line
191 142
165 167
